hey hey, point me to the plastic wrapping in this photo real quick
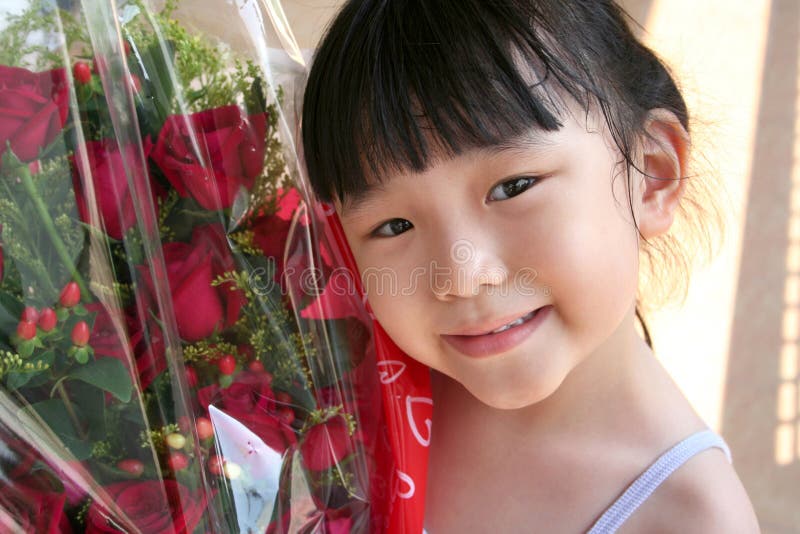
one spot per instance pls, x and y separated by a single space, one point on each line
174 353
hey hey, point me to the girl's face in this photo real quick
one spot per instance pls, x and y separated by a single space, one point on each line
491 235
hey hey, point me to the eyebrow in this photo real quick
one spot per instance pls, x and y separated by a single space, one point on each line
534 138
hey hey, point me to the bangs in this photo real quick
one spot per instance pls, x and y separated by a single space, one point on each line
420 81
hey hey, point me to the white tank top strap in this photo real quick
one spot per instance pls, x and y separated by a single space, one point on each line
658 472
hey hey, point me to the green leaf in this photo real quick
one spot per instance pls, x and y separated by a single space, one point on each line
241 203
10 161
17 379
10 309
25 348
108 374
57 418
92 405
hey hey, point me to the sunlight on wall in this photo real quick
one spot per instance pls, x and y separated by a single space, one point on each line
787 432
722 87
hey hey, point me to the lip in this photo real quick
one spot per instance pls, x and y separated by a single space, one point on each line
487 326
479 346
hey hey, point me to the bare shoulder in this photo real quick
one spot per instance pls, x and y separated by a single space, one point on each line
703 495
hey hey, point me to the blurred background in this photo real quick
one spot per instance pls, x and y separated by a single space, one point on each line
733 346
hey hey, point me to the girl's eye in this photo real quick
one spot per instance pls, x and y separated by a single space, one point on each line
513 187
398 226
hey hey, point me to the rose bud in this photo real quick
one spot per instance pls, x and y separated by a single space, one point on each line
80 334
177 461
70 295
204 428
81 72
26 330
29 314
227 364
131 466
175 440
47 319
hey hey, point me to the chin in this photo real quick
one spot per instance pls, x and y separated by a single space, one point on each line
512 398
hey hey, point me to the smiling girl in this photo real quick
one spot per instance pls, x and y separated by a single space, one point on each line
512 163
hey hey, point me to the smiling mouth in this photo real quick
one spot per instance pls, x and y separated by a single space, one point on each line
501 339
525 318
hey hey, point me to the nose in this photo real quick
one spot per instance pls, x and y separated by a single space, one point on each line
466 266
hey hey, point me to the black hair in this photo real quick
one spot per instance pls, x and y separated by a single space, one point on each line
397 83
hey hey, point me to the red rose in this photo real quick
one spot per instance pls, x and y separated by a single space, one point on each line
251 401
326 444
271 235
33 109
270 231
126 338
27 509
150 505
233 146
199 308
112 194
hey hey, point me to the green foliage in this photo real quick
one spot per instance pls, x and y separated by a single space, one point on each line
108 374
30 247
13 366
22 41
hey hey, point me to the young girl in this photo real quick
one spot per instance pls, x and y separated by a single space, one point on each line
510 163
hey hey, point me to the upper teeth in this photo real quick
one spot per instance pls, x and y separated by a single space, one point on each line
513 323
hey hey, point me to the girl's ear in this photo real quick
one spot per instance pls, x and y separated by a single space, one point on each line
666 154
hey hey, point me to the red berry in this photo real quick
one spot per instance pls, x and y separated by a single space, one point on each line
283 398
70 295
256 366
177 461
80 334
227 364
204 428
191 376
26 330
132 466
81 72
47 319
215 465
29 314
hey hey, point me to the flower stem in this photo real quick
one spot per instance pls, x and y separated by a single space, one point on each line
50 227
68 405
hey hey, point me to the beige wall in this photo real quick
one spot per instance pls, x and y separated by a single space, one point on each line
733 346
308 18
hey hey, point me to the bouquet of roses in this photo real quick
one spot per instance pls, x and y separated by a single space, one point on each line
168 361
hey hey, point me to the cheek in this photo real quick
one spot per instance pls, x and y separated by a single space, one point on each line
585 254
396 296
